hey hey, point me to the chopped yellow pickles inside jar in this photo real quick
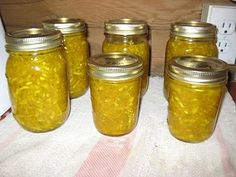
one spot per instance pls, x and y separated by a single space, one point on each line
189 38
115 87
129 36
76 51
193 110
180 46
196 88
37 79
115 105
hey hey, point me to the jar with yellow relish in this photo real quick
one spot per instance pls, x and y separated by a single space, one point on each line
190 38
196 86
76 51
37 79
129 36
115 86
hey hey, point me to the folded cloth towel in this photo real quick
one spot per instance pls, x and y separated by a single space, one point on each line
78 149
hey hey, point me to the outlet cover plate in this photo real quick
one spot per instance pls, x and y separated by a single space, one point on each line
224 17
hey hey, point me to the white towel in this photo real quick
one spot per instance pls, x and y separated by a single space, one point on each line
78 149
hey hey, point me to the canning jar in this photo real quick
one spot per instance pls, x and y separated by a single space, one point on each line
129 36
37 79
196 86
75 50
190 38
115 86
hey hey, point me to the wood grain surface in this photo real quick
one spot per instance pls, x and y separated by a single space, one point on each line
159 14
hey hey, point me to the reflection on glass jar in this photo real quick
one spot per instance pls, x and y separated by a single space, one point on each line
36 74
76 51
129 36
196 88
190 38
115 84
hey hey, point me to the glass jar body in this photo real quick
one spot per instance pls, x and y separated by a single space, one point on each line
76 53
182 46
193 109
133 44
115 105
38 88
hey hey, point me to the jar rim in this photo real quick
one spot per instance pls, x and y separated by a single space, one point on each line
31 39
193 29
198 69
65 25
115 66
126 26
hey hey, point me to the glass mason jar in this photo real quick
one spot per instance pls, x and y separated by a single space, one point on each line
196 86
190 38
36 75
115 85
129 36
76 52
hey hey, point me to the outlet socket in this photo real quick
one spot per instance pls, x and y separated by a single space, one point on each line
226 27
223 45
224 17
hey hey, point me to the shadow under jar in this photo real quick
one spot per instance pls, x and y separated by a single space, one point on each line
129 36
75 50
115 86
196 87
190 38
37 79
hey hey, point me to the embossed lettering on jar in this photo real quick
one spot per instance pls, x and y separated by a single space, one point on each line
190 38
129 36
36 75
196 86
75 50
115 84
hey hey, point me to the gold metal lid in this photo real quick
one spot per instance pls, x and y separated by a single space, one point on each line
65 25
115 66
198 69
193 29
32 39
126 27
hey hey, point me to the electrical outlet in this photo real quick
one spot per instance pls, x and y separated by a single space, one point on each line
224 46
224 17
226 27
